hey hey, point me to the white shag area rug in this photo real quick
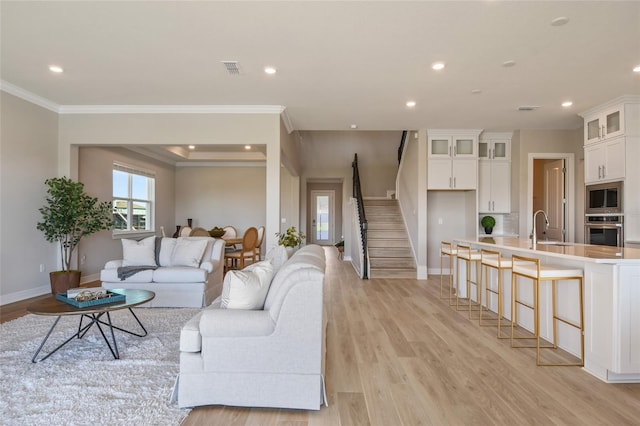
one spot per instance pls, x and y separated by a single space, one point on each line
82 384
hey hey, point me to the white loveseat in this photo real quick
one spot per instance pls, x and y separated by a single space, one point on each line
272 357
175 286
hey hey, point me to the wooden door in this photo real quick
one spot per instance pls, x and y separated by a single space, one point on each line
554 199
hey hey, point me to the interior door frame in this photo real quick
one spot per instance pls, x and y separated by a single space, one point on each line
569 189
332 213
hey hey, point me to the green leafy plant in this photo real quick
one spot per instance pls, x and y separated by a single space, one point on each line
339 243
290 238
488 222
70 214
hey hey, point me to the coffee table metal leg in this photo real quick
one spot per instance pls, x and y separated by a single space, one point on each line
96 320
127 331
77 334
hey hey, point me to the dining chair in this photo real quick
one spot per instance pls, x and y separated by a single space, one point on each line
248 250
259 243
199 232
229 232
185 231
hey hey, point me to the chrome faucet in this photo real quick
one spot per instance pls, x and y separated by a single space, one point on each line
534 237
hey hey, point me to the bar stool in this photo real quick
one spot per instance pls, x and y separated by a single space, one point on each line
491 259
530 268
447 250
469 257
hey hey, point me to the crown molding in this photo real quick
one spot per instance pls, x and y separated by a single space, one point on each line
171 109
624 99
23 94
286 120
222 164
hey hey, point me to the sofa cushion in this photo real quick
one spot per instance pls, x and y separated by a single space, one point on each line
278 256
139 253
188 252
179 274
247 289
166 251
190 338
111 276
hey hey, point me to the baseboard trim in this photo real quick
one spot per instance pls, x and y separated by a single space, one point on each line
89 278
5 299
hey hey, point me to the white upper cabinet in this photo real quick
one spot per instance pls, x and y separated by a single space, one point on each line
452 159
616 118
494 176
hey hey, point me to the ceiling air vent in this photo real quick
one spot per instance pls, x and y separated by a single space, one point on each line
232 67
528 107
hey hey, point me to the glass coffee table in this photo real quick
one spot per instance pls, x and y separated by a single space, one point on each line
53 307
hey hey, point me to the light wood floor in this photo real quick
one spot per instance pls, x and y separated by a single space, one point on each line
399 355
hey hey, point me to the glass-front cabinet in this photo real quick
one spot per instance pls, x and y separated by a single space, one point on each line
494 149
452 159
605 125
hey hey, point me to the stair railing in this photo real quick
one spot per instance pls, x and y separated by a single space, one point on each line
403 140
357 194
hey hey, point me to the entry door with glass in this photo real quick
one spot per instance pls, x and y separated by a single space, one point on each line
322 221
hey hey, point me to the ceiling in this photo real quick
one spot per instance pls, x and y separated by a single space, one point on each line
338 63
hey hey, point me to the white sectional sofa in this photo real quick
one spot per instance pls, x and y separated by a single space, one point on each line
269 357
174 283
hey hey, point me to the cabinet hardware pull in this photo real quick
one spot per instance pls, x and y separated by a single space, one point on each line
450 183
455 151
493 206
454 182
449 151
489 205
603 172
599 175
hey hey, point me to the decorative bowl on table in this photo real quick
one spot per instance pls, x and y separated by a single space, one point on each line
216 232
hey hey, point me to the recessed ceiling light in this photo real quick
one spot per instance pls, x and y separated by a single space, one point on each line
353 126
636 69
192 147
508 63
567 104
55 68
269 70
476 91
247 147
437 66
411 104
559 21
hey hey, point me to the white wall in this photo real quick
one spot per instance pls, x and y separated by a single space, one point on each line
28 156
95 168
221 196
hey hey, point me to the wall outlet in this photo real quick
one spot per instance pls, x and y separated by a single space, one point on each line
83 259
283 220
439 221
42 267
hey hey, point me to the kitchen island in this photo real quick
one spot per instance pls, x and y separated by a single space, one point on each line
611 301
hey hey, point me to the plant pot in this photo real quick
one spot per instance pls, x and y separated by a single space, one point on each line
488 231
61 281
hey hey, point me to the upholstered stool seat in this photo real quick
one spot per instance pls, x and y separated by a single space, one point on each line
447 250
532 269
491 259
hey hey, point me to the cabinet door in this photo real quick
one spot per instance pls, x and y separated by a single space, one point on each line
439 174
593 162
501 187
592 129
465 174
484 150
440 147
464 147
484 186
614 166
613 123
501 150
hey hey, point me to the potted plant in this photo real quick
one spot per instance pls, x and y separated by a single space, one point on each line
69 215
290 239
340 247
488 222
216 232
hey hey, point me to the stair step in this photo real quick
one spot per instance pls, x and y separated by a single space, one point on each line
382 234
390 226
391 262
387 242
380 203
390 252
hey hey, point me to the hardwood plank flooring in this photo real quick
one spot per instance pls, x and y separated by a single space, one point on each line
397 354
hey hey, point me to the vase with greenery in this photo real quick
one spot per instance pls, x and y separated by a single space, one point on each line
69 215
488 222
291 238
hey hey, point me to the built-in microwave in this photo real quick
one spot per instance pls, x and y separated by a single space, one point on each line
603 198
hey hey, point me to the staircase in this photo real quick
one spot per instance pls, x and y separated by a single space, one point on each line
390 254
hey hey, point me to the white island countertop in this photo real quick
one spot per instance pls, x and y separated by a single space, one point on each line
576 251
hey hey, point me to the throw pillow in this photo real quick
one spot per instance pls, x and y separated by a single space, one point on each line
278 256
166 251
188 252
247 289
139 253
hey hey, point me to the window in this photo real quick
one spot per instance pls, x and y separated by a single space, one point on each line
133 199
